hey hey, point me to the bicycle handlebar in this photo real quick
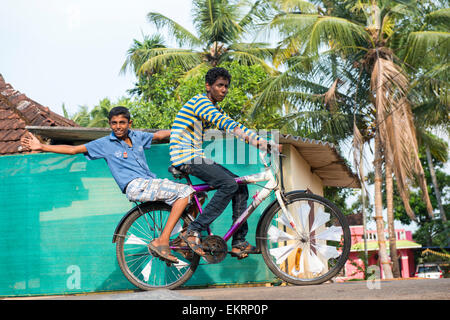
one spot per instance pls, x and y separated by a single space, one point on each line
271 148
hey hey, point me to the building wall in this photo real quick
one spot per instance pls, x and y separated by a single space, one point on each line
354 265
297 172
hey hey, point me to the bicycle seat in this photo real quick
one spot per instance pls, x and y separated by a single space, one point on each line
177 174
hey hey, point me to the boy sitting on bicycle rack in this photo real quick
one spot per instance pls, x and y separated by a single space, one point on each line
186 154
123 151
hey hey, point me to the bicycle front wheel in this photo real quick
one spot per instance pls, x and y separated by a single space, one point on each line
307 244
138 265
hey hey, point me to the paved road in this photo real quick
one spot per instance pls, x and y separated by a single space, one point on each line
411 289
422 289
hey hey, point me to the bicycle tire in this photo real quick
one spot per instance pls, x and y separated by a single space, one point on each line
311 251
139 266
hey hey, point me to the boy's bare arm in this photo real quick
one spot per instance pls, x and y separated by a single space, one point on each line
32 143
161 135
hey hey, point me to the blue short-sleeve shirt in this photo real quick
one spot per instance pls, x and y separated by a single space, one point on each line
125 163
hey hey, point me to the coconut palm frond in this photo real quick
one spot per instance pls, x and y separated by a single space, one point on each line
400 164
358 143
292 24
140 52
197 70
278 85
420 43
216 21
330 96
187 59
320 124
434 84
343 33
401 9
297 6
258 49
437 146
258 12
432 114
396 128
283 97
247 58
177 31
388 26
439 17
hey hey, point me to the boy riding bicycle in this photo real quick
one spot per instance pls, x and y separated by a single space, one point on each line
186 154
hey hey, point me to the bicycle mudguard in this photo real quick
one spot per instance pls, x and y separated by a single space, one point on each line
274 203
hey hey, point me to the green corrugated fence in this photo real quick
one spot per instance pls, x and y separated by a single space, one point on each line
58 214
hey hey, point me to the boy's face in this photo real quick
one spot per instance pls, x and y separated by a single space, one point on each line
120 125
217 91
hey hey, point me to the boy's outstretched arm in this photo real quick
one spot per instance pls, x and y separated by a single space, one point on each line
33 143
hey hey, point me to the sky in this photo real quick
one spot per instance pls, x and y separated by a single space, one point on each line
71 51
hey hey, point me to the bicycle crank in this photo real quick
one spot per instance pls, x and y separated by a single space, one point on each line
215 249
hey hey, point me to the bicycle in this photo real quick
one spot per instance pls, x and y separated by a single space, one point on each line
304 238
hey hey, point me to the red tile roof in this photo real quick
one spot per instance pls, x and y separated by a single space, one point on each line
18 111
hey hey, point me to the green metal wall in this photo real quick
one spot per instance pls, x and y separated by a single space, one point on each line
58 214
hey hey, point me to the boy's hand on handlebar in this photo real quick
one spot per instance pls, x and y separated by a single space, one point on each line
262 144
271 146
278 147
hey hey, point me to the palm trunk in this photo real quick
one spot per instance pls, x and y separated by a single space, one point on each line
382 252
390 218
435 184
363 200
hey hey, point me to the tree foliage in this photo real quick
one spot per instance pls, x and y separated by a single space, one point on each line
161 96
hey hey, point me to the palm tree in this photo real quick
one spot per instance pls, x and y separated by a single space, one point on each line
365 38
430 87
99 114
81 117
221 28
138 54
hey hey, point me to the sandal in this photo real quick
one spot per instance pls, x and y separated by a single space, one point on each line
180 246
244 249
162 252
195 244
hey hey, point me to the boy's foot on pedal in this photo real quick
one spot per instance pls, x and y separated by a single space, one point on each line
192 238
242 250
162 251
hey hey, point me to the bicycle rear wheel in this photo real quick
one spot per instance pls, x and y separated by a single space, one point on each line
138 265
311 246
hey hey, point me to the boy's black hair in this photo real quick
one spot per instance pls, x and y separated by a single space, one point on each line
215 73
119 110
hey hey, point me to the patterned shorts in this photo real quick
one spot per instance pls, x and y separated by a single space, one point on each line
157 190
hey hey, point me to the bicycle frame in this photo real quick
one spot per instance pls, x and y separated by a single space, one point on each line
260 196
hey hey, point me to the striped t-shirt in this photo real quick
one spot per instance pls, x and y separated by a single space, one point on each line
190 124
